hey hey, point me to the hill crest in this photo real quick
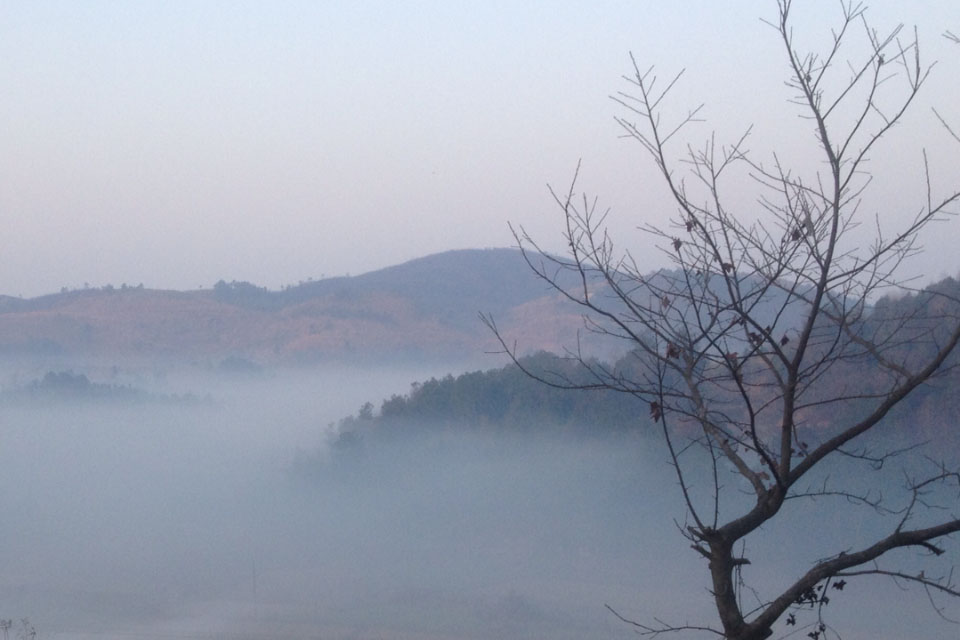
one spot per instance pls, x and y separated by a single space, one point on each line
424 308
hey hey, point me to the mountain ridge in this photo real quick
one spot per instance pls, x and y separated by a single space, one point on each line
424 308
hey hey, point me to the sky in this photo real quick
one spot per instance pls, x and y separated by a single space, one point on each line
175 144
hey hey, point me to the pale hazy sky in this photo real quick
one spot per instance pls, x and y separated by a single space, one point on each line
178 143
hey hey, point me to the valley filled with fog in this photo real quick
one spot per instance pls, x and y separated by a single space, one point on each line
480 321
166 519
219 508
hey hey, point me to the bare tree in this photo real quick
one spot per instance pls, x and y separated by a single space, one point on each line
764 324
954 38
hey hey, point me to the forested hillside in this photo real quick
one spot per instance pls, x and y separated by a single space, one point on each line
508 399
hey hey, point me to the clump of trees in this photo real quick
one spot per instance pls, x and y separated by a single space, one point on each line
23 629
749 355
67 386
501 400
246 295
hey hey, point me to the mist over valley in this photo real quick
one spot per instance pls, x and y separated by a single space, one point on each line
226 493
259 380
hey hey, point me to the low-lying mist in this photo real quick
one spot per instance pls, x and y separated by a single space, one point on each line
233 518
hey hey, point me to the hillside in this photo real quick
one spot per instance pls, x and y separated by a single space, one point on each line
507 399
425 308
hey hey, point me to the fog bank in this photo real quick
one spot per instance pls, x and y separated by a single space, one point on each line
172 521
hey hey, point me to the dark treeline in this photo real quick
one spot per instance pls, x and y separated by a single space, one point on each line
67 386
507 399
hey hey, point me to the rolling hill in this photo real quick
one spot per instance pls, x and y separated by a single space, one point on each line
425 308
